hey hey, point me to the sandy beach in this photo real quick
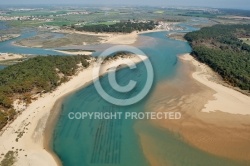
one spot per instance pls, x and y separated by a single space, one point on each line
109 38
75 52
211 114
225 99
76 38
101 38
26 133
10 56
116 38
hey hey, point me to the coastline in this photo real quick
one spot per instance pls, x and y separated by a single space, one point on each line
106 38
225 99
7 56
43 152
75 52
206 131
33 121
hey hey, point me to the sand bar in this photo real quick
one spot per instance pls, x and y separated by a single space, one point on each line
32 121
225 99
10 56
203 130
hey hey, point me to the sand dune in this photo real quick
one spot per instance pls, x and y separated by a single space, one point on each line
26 133
225 99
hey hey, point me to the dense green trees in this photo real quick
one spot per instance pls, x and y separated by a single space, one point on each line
34 76
123 27
220 47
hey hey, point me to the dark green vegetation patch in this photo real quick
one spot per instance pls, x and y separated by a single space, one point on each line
123 27
221 48
34 76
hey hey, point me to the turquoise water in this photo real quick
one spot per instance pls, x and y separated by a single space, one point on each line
100 142
115 142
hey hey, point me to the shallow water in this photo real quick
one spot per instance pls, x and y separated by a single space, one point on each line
8 47
2 67
116 142
171 149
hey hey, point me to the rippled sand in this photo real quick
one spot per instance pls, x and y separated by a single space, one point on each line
221 134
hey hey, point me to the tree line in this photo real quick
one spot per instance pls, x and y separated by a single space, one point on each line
34 76
39 75
219 47
122 27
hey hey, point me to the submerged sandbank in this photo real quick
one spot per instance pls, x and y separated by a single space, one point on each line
32 122
222 134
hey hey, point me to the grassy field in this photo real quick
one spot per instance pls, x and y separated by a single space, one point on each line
106 16
46 41
95 16
36 23
16 23
44 13
102 23
159 12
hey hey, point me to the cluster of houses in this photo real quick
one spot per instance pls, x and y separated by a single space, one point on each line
25 18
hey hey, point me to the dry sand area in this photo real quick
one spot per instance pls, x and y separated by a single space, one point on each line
8 56
76 38
215 119
75 52
109 38
49 40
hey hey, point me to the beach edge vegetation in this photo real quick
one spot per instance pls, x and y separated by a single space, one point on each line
221 48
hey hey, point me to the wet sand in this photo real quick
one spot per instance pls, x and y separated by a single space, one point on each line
32 122
50 126
218 133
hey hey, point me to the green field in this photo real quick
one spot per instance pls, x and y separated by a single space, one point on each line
159 12
101 23
36 23
96 16
42 13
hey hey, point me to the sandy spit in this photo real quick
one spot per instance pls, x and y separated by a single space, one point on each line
225 99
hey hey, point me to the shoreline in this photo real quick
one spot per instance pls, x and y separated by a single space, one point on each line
74 52
205 131
112 38
44 152
33 122
54 116
106 38
226 99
